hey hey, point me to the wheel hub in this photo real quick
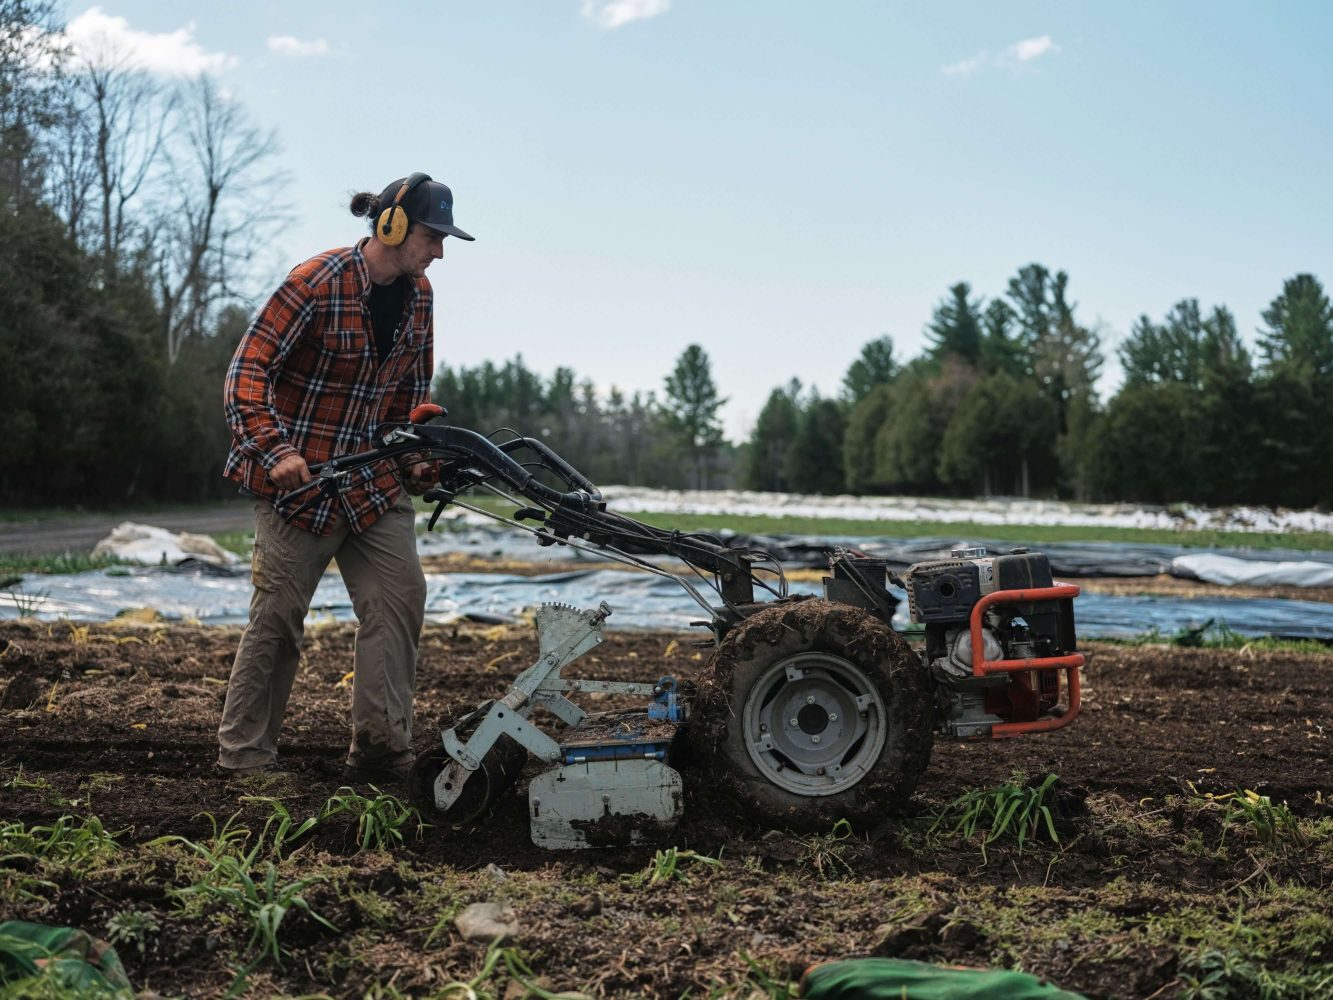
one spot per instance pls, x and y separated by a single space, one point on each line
814 723
812 719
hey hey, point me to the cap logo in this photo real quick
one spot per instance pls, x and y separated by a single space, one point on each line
446 206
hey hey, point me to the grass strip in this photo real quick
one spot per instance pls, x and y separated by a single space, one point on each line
764 524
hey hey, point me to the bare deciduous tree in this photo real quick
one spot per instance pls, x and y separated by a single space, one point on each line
206 233
31 91
129 115
71 173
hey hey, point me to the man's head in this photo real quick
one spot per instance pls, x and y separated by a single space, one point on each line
410 220
419 201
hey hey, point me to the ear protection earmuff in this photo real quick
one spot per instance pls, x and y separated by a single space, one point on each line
391 227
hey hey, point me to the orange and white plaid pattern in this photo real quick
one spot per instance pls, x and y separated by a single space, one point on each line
305 380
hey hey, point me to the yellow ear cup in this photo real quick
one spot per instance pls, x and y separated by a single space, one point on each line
391 229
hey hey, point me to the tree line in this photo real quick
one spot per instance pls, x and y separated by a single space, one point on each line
1003 401
129 215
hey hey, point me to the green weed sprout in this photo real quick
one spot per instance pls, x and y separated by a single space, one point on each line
824 851
132 928
516 965
1016 810
78 846
379 821
669 865
263 904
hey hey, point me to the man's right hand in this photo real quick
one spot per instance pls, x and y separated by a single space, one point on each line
290 473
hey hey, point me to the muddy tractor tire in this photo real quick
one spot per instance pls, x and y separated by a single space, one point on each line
811 712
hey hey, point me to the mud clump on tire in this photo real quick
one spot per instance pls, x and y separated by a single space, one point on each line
870 647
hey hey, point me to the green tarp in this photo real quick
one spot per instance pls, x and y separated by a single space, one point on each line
77 961
898 979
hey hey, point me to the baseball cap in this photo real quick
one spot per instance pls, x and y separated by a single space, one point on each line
429 204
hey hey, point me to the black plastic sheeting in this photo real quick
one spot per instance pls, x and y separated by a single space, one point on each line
1076 559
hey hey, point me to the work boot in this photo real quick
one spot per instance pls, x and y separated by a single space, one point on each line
384 775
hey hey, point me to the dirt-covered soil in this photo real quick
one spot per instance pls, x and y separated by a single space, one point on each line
1158 878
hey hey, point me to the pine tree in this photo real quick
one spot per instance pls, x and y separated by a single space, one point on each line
1300 327
875 366
864 423
1000 440
955 328
1000 348
691 408
773 434
814 459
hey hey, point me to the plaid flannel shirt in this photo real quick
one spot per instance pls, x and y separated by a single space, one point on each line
305 381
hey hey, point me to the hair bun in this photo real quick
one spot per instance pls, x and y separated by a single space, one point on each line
364 203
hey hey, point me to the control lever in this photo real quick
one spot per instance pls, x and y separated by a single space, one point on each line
441 497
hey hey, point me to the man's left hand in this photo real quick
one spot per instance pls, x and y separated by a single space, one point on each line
417 478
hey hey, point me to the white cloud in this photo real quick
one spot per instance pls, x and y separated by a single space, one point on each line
1010 59
966 67
289 46
1030 48
101 38
612 14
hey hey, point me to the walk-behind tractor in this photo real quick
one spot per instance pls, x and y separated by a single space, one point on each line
809 710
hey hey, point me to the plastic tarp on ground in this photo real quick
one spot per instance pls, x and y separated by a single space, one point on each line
902 979
638 600
1256 567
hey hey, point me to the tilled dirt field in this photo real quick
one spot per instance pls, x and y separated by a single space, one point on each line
1157 880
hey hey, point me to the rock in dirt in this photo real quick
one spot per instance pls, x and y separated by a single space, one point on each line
485 922
495 873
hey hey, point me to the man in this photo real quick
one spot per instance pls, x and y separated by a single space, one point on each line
342 347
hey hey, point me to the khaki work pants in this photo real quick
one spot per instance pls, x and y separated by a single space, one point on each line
388 590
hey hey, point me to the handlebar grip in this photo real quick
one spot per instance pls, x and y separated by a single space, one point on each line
427 411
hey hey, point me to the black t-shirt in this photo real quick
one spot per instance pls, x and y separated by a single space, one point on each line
386 314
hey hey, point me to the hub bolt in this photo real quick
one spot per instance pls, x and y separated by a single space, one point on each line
819 770
809 699
794 723
814 739
763 727
832 717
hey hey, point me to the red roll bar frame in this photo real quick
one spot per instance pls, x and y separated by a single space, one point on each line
1070 663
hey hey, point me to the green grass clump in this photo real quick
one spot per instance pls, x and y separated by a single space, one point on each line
262 903
76 845
380 821
515 964
1273 825
1215 974
1214 634
1016 811
63 562
826 853
669 866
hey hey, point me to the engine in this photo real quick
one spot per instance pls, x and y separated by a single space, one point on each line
1024 625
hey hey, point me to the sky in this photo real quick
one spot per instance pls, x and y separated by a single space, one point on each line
782 182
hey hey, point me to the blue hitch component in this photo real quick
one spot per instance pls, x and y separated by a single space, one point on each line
642 750
666 706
